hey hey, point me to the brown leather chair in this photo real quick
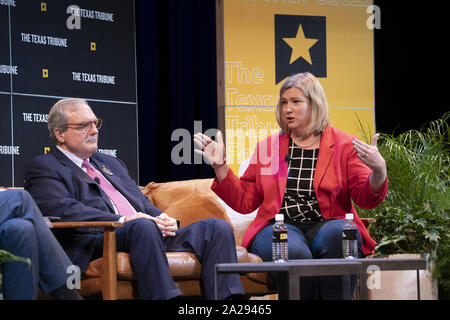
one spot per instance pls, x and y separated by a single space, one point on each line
187 201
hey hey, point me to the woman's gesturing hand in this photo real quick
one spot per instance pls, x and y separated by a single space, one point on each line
212 151
370 155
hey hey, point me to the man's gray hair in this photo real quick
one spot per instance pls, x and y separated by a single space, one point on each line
57 116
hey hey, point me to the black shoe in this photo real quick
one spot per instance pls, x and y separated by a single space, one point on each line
64 293
237 297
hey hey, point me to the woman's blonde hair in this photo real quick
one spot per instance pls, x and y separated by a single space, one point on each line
313 90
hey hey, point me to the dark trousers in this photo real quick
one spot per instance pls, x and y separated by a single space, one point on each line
325 243
24 233
211 240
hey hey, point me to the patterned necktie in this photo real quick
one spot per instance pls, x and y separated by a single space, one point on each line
122 205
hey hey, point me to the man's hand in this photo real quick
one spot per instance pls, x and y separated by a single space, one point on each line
166 224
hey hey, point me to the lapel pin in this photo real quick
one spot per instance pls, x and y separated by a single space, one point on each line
107 171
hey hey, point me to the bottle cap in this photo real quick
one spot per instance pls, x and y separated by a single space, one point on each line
349 216
279 217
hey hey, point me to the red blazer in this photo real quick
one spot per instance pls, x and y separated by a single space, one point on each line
340 177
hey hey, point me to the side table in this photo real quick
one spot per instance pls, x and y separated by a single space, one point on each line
292 270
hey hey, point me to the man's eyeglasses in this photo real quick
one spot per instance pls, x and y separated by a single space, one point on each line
85 126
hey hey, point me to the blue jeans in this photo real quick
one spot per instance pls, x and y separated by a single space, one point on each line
326 243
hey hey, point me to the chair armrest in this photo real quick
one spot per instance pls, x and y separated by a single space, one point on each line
87 224
109 274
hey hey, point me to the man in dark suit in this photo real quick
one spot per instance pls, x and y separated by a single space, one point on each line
76 183
23 232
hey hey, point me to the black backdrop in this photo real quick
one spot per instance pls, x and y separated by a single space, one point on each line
176 61
43 60
411 65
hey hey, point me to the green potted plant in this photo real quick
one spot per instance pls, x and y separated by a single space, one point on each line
415 216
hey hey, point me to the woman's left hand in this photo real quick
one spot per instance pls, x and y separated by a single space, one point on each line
370 155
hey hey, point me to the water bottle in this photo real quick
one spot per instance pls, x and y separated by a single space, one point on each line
279 240
349 239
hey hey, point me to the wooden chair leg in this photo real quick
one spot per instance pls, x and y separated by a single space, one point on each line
108 278
109 275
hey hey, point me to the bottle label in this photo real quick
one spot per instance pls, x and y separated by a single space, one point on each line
279 236
349 234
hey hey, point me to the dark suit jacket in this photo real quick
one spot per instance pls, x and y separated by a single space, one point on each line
62 189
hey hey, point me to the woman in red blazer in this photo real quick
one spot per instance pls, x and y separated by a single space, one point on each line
338 167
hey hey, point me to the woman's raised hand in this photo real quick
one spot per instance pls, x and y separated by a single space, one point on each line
370 155
212 151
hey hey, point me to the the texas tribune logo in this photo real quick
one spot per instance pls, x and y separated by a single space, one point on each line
300 46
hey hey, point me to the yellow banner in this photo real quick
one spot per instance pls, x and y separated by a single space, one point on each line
266 41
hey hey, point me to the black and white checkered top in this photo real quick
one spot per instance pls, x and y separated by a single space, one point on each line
300 202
